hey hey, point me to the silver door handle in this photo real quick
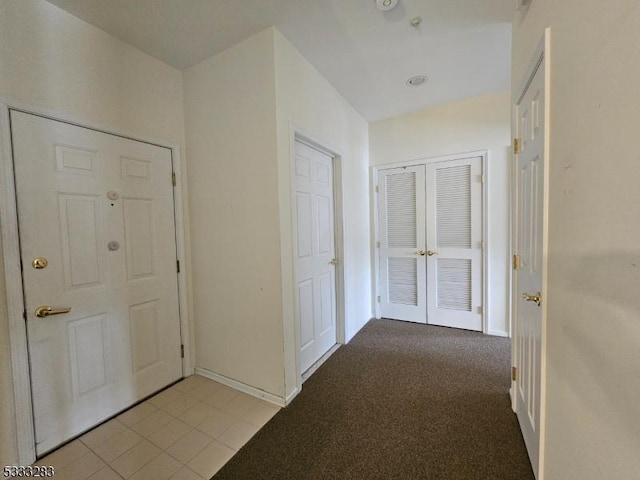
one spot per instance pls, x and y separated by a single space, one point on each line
45 311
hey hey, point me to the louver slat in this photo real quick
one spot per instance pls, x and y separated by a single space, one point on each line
454 284
403 281
401 210
453 207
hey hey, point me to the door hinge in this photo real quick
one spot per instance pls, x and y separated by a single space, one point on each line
173 179
516 262
516 145
514 374
377 188
178 265
181 351
377 244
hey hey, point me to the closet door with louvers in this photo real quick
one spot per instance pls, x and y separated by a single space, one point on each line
454 243
402 242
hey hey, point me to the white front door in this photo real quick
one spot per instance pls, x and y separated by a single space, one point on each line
454 243
97 241
315 262
401 209
528 277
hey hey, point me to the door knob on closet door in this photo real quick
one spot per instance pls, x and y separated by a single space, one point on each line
431 253
333 261
422 253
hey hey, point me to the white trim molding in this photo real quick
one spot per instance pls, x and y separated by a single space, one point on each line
15 298
13 275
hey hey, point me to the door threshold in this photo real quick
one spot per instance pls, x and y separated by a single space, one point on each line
312 369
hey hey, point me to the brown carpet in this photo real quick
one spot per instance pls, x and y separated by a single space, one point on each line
400 401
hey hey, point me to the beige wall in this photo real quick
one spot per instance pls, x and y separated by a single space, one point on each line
52 60
239 106
230 110
308 103
481 123
593 327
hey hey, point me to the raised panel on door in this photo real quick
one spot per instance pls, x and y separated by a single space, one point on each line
81 235
401 204
145 335
454 243
139 237
314 243
107 232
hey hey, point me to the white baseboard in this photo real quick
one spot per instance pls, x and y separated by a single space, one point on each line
292 395
242 387
498 333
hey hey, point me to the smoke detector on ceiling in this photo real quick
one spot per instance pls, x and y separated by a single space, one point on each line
385 5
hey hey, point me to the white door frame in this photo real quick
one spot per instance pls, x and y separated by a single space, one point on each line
484 155
542 54
299 134
13 275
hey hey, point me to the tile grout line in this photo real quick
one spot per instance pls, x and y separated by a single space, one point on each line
199 401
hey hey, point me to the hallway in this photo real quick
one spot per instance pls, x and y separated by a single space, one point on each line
403 401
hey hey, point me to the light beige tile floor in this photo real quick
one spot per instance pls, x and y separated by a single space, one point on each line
187 432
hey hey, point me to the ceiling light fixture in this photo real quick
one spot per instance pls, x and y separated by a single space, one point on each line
417 81
385 5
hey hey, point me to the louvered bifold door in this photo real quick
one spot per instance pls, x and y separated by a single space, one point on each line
401 204
454 243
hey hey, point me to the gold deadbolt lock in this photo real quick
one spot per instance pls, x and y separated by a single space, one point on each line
39 263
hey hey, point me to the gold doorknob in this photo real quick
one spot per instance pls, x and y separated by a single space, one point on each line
431 253
532 298
45 311
422 253
333 261
39 263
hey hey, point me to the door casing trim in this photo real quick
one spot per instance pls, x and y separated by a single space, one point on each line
484 155
13 276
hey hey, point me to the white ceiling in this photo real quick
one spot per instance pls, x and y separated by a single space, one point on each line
464 46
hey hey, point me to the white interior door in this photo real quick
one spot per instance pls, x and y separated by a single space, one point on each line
98 210
528 277
315 262
454 243
401 209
